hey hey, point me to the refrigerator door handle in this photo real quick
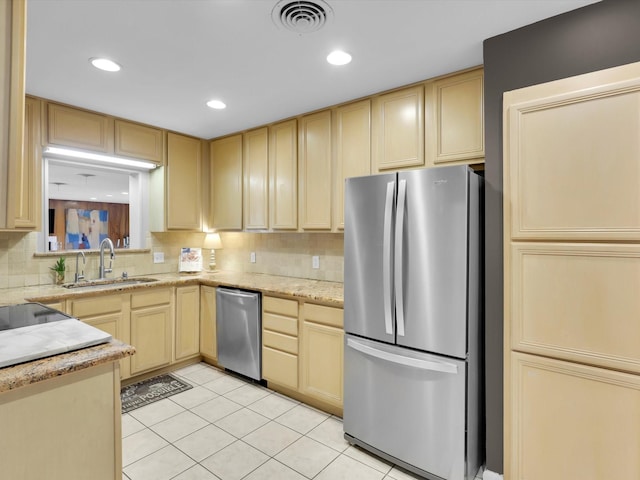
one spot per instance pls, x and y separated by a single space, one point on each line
402 193
386 259
434 366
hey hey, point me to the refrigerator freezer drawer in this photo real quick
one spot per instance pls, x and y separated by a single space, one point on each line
408 404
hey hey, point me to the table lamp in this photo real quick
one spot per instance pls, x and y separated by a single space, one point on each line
212 241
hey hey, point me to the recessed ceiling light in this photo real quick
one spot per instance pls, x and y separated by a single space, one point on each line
124 193
338 57
217 104
109 195
105 64
93 198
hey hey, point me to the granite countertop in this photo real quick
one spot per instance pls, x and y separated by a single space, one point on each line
330 293
38 370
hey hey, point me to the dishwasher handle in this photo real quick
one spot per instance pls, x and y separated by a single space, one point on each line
237 293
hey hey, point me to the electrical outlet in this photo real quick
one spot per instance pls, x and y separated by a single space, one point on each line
315 261
252 257
158 257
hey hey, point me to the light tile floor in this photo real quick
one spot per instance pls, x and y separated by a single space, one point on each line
227 429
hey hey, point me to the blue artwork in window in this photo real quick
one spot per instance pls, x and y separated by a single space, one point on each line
86 228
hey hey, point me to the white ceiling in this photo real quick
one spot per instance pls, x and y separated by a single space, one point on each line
178 54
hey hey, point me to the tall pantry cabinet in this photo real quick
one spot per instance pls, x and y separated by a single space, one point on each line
572 277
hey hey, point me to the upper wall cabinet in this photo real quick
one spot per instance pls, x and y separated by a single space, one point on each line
226 183
183 183
15 176
352 147
71 127
256 179
398 129
283 176
139 141
455 119
314 171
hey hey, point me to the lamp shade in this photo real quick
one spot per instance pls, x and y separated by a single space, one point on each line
212 241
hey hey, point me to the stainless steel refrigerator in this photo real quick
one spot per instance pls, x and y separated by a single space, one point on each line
412 378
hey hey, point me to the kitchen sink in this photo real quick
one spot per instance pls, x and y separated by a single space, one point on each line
109 283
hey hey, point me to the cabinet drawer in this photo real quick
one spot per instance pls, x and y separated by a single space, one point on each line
322 314
280 305
280 367
157 296
280 324
279 341
96 306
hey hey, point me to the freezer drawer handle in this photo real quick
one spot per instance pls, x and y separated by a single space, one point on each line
237 293
386 259
402 360
398 260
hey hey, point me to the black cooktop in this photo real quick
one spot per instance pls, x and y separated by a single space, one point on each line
26 314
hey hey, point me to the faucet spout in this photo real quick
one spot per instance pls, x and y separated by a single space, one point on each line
80 276
103 270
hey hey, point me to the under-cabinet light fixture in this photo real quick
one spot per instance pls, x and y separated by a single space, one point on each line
98 158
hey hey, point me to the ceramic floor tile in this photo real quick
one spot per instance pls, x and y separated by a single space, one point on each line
274 470
140 444
368 459
242 422
330 433
197 472
193 397
205 442
302 419
247 394
130 425
273 405
190 369
346 468
161 465
235 461
179 426
272 438
215 409
204 375
224 384
156 412
306 456
397 474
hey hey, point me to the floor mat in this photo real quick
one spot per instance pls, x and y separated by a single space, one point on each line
151 390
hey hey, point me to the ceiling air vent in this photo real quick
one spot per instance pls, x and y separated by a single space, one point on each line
301 16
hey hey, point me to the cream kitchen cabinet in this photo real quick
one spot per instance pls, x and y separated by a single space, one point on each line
183 188
280 341
397 129
134 140
352 146
256 179
72 127
454 119
208 344
314 171
109 313
187 327
152 316
226 183
321 353
18 179
283 176
572 277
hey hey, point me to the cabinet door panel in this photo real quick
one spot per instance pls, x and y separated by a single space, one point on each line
183 183
226 183
314 171
573 421
280 367
187 341
151 336
139 141
208 344
283 176
256 179
71 127
321 360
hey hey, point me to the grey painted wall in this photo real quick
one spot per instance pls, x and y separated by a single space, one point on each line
592 38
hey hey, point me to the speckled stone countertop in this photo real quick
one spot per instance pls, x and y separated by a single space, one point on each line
330 293
45 368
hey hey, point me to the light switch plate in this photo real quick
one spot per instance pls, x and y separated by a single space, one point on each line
158 257
252 257
315 261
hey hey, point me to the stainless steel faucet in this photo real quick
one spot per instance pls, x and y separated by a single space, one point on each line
103 244
80 276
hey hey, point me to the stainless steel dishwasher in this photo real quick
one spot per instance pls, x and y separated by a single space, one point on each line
239 331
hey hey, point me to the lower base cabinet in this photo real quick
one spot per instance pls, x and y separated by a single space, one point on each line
208 343
187 333
280 341
151 329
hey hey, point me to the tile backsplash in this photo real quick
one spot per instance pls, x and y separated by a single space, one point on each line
287 254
